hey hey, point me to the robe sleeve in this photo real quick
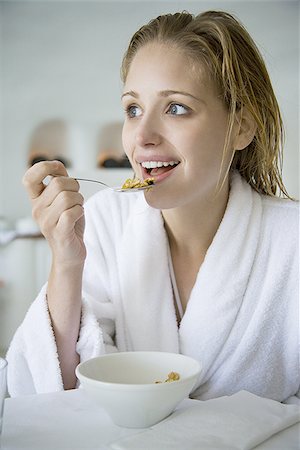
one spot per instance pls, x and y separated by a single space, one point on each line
33 364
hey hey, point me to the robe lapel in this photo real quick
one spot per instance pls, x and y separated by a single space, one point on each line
145 287
217 295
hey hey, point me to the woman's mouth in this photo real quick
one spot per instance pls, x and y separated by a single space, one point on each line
158 169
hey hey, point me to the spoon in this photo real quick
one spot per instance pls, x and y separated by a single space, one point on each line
116 188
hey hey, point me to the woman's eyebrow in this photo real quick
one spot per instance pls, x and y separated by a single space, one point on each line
164 93
130 93
169 92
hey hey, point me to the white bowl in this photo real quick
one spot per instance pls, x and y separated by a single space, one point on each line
124 384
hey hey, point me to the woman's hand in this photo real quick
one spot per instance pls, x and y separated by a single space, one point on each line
58 210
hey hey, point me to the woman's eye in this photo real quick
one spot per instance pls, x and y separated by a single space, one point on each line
176 109
133 111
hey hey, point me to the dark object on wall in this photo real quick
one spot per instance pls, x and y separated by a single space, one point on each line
114 162
49 141
37 159
111 153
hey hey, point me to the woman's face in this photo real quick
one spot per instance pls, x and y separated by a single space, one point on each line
175 127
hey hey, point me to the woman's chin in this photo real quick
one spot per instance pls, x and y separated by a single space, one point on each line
160 201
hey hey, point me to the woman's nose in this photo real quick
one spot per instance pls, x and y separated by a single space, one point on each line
148 132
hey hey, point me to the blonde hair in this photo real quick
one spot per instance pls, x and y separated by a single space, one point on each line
235 64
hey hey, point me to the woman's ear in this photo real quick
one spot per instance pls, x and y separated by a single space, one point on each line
245 129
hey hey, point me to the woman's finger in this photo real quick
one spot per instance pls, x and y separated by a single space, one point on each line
48 217
33 178
54 188
69 218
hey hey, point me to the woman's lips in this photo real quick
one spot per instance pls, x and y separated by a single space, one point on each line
158 173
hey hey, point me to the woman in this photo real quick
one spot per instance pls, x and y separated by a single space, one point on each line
204 263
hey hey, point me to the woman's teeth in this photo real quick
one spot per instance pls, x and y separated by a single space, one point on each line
155 164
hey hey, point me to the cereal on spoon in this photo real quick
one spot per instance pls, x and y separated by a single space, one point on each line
133 183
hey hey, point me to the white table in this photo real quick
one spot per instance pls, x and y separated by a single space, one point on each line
69 420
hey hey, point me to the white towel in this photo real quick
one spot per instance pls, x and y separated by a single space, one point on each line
239 422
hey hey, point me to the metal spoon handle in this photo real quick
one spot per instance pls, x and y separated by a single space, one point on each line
116 188
92 181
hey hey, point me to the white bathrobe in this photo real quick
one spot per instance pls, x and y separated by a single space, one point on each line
242 318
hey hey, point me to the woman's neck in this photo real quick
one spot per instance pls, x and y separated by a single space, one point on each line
190 231
191 228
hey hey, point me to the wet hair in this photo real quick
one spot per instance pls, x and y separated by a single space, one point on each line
234 63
